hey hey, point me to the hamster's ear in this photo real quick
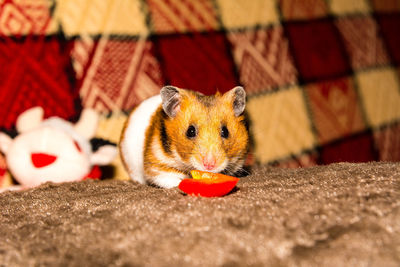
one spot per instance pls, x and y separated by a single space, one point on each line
171 100
237 96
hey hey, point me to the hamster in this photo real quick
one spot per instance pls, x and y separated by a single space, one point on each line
179 130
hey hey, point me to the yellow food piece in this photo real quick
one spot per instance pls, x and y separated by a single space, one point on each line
197 175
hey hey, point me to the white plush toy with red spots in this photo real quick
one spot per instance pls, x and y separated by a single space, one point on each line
53 150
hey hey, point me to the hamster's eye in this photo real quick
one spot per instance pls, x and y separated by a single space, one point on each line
191 132
224 132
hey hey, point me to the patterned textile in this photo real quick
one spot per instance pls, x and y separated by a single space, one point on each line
322 77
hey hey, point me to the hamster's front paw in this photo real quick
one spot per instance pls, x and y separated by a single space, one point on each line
168 179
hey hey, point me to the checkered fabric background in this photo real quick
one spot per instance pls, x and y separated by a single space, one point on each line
322 77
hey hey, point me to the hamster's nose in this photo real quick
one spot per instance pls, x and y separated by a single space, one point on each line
209 162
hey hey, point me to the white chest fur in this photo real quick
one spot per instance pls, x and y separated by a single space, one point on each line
132 145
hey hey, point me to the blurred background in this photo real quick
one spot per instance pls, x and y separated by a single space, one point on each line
322 77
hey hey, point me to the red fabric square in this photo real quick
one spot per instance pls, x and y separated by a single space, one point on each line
36 71
357 148
317 50
390 25
263 59
300 9
387 141
20 18
173 16
363 42
386 5
201 62
118 74
335 109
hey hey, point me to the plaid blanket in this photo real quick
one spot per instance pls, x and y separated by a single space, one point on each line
322 77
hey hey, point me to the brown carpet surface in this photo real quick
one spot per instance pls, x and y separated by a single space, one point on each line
336 215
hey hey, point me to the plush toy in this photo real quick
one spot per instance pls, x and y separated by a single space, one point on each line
54 149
